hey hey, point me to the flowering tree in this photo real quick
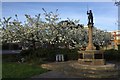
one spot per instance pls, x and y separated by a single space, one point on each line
101 38
52 31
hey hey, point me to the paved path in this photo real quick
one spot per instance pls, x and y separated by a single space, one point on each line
53 74
58 70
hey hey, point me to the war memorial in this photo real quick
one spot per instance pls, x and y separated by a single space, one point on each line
91 56
90 63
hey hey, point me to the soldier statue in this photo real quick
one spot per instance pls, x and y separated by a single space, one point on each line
90 17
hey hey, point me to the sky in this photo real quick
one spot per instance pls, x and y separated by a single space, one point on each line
58 0
105 13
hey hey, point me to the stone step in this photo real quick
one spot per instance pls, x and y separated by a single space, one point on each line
90 73
100 75
92 67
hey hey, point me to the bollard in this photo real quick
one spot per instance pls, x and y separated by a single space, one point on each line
62 57
59 57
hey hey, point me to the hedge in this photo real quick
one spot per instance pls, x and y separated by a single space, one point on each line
112 54
49 54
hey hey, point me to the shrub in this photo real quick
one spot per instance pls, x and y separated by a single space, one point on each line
10 46
10 57
49 54
119 48
112 55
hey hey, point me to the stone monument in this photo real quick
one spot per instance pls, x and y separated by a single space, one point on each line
90 30
91 56
91 63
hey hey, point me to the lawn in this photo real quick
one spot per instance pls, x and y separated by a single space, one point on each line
20 70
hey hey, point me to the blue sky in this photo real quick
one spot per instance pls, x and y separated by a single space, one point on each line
105 13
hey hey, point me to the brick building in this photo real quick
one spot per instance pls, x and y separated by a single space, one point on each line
116 37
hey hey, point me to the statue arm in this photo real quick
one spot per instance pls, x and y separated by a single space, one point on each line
87 13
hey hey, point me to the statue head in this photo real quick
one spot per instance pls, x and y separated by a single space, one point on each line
90 11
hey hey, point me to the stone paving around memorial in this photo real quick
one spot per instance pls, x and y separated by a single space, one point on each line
61 69
57 70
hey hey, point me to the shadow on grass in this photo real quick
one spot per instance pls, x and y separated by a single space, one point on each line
20 70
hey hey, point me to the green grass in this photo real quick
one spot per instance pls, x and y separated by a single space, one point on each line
20 70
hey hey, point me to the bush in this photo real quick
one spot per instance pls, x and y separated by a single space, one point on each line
49 54
112 55
72 54
10 57
5 47
119 48
26 52
10 46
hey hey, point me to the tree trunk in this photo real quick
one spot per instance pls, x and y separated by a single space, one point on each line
33 43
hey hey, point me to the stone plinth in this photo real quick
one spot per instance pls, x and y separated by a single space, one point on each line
91 62
91 57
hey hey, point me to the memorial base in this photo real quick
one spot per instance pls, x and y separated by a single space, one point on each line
92 61
91 57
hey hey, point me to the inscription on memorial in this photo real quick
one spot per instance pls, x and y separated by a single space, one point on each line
88 56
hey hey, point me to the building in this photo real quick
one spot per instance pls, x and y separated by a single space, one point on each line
116 37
